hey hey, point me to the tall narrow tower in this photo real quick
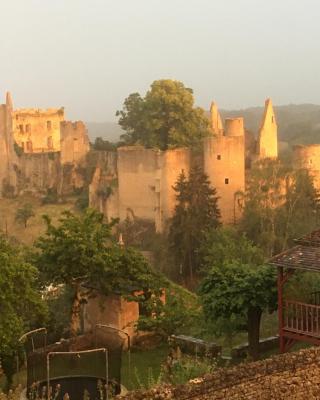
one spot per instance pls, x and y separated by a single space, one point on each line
216 122
268 133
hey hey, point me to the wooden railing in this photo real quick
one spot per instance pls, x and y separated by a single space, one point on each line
302 318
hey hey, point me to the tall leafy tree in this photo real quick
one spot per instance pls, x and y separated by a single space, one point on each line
21 306
236 288
238 294
80 253
196 213
165 118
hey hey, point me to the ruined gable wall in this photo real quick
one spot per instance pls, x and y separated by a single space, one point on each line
224 163
74 142
268 134
37 130
308 157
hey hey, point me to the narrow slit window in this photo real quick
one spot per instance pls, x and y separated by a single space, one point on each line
21 128
49 125
226 181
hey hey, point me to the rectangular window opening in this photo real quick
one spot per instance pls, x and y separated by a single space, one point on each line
219 157
226 181
49 125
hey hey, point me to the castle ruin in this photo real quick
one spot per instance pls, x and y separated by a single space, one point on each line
41 150
145 177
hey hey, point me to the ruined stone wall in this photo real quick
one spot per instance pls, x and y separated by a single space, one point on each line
173 163
111 310
74 142
287 376
137 168
224 163
36 130
141 182
308 157
8 177
39 172
103 189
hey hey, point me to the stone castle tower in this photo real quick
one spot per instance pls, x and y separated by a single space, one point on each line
224 163
268 133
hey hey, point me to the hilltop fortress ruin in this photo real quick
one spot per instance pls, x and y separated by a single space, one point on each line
40 150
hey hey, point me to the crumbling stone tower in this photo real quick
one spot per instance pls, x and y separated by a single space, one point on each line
224 163
268 133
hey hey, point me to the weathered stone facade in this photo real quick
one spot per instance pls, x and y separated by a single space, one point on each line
145 177
283 377
48 146
38 131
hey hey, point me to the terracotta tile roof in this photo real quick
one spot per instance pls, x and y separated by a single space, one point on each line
298 257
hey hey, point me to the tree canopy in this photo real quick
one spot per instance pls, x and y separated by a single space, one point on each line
20 302
236 288
80 252
165 118
196 213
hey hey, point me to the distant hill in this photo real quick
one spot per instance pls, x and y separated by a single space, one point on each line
297 124
107 130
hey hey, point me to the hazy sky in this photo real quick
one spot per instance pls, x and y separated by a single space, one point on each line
89 55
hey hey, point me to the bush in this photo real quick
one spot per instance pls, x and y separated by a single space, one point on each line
51 197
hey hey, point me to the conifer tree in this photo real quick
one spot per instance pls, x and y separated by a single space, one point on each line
196 213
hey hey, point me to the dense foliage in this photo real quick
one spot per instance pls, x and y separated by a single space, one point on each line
281 204
164 118
236 289
20 302
80 253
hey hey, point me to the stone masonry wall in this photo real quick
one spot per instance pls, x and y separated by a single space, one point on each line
287 376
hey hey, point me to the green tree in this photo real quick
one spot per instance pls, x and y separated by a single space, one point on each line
195 214
24 213
80 253
101 144
164 118
21 307
237 294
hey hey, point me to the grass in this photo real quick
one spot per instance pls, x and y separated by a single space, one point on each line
145 365
35 226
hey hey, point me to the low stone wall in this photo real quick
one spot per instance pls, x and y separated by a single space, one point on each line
286 376
265 344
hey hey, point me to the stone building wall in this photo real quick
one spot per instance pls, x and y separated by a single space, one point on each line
282 377
39 171
36 130
111 310
74 142
141 182
224 163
